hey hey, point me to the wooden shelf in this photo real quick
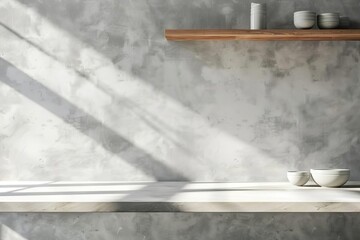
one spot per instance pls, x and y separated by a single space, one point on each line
263 35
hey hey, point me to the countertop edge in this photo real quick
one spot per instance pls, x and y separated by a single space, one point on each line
179 207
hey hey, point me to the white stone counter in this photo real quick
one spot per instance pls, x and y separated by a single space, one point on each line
175 197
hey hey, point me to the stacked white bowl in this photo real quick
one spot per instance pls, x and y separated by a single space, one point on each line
258 16
304 19
328 20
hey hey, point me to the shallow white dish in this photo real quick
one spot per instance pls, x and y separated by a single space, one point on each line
330 177
298 178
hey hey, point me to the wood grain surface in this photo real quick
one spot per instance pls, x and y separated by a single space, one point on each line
263 35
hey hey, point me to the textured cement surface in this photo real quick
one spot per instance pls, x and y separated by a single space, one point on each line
91 90
176 226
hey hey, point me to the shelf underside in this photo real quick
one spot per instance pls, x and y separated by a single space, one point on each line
263 35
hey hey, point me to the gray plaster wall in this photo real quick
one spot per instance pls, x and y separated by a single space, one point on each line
180 226
91 90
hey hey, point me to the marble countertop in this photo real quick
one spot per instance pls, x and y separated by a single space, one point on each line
175 197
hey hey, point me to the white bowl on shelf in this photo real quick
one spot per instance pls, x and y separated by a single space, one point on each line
328 20
304 24
329 14
330 177
328 25
304 19
298 178
304 13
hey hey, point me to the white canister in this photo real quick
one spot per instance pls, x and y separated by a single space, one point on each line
258 16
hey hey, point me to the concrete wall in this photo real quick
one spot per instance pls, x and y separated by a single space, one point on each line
91 90
180 226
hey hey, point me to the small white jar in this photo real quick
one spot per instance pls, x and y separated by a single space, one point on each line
258 16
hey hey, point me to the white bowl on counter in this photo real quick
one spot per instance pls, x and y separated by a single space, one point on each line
298 178
330 177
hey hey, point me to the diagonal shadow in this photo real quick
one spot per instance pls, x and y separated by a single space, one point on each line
135 109
150 119
149 189
6 233
85 184
114 143
28 187
65 18
39 48
85 36
97 192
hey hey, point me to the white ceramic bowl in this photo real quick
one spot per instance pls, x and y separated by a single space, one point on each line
304 16
329 14
298 178
330 177
304 19
304 24
329 17
328 20
328 25
304 13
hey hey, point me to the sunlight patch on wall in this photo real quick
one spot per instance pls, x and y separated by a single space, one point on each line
142 114
9 234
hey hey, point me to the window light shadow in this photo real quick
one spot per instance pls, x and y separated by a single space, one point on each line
9 234
150 119
118 145
107 77
41 49
162 192
72 184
